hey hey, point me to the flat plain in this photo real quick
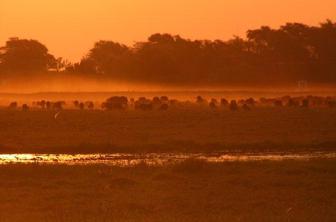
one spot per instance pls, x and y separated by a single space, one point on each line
193 190
179 129
189 191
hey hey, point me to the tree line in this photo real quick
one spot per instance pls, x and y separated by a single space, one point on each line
290 53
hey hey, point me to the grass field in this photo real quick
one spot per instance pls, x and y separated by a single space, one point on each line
190 191
177 130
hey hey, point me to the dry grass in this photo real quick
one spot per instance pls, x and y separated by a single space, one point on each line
190 191
186 130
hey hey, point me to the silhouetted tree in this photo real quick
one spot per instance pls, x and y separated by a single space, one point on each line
25 55
291 53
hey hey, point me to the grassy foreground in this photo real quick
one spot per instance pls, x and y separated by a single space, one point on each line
190 191
177 130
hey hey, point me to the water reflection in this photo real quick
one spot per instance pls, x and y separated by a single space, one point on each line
153 158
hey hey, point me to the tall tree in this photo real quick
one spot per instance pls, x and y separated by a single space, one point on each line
25 55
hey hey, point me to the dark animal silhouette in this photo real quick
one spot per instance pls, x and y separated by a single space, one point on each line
200 100
143 104
246 107
233 105
164 107
25 107
213 104
115 103
89 105
224 102
13 105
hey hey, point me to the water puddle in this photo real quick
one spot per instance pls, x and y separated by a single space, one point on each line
155 158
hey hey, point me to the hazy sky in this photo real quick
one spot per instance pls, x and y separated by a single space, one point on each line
70 27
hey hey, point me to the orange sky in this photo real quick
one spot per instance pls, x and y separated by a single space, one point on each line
70 27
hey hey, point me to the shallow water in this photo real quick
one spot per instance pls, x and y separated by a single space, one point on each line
155 158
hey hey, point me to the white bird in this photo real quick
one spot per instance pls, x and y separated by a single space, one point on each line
56 115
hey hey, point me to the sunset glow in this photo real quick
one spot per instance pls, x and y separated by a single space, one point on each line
179 110
62 24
